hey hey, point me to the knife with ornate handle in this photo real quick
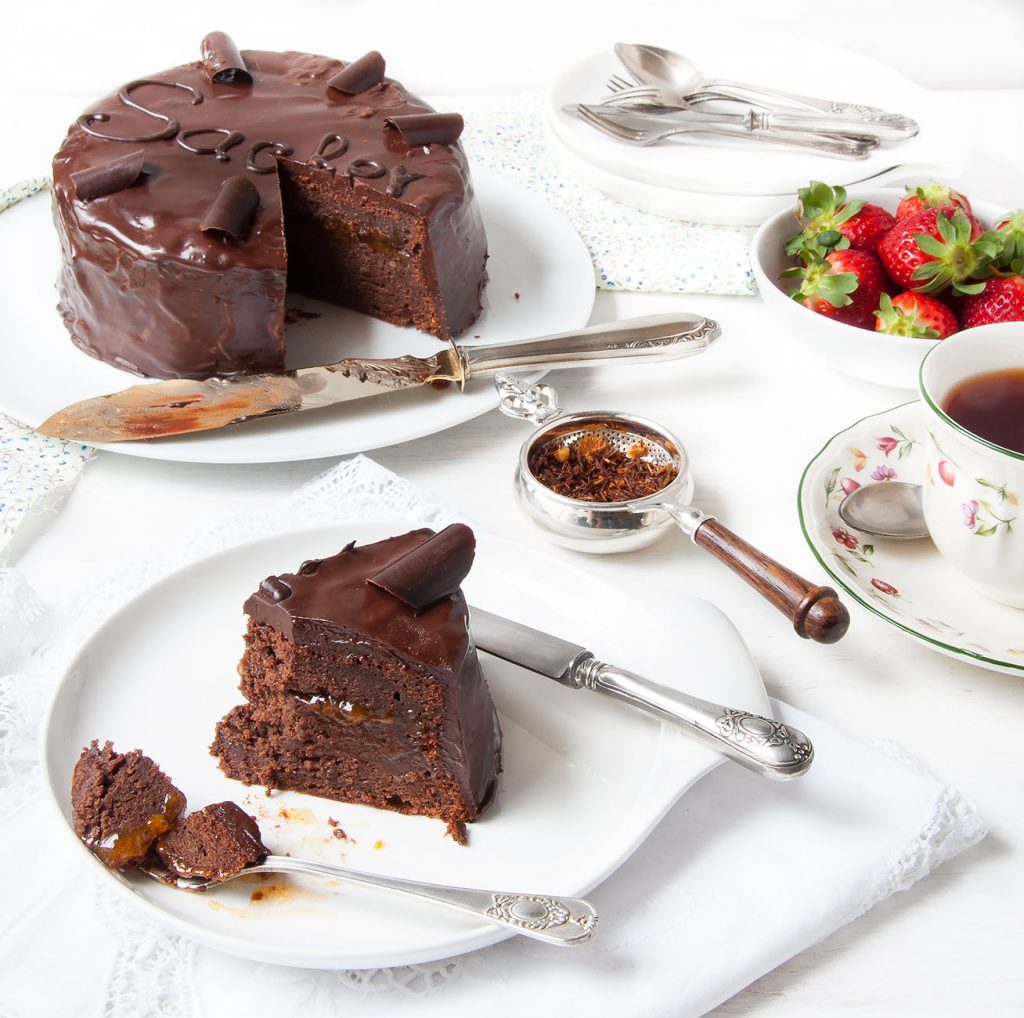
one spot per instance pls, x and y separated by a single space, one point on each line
761 744
179 406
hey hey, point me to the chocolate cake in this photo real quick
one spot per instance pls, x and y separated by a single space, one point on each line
363 683
215 842
189 201
121 803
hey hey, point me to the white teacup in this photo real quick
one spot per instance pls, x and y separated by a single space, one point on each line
974 489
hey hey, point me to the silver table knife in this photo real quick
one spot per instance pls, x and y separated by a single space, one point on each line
180 406
760 744
751 119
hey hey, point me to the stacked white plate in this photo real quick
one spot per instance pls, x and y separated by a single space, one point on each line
708 179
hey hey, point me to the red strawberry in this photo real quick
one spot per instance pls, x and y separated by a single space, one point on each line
1002 300
832 223
915 314
935 249
844 286
931 196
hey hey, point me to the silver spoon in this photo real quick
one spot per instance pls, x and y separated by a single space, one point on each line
893 510
676 75
562 921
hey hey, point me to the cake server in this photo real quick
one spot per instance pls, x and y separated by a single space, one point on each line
761 744
179 406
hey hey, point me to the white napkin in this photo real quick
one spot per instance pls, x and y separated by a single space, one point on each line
741 875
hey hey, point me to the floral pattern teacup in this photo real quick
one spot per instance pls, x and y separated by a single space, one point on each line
973 489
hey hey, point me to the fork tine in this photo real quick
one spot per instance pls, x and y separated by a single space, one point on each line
637 97
607 127
621 92
616 83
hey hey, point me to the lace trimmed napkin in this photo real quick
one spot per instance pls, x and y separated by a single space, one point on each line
741 875
632 250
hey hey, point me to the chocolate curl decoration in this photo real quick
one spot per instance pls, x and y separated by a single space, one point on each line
232 210
106 178
432 570
428 128
275 588
359 75
222 61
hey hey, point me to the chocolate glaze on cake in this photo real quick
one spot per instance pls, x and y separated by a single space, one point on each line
332 180
215 842
356 695
121 803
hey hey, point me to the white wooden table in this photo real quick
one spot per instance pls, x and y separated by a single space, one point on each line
748 412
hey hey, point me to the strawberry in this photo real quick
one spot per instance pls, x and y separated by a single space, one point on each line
1001 300
831 223
1011 234
937 248
914 314
931 196
844 285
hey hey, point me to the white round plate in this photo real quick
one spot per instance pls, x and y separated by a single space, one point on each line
906 583
723 166
541 281
584 780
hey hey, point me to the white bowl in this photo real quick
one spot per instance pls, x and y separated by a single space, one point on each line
876 357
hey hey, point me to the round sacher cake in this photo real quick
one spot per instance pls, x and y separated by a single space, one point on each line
188 202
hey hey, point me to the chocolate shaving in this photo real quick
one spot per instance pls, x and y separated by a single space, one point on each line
106 178
359 75
233 209
222 61
432 570
428 128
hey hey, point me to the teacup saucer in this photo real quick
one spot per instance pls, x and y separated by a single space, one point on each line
907 583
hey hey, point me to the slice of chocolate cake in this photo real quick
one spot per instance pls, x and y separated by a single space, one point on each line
121 803
363 683
216 842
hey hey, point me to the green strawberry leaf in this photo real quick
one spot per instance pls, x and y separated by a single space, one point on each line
929 245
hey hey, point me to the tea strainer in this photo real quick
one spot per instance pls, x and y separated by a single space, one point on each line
607 527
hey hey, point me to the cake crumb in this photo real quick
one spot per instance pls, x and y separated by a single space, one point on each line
378 844
340 834
300 816
332 821
516 295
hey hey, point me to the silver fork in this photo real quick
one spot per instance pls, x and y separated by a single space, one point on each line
769 117
561 921
654 133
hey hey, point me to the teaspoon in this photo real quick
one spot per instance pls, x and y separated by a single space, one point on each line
676 75
565 922
892 510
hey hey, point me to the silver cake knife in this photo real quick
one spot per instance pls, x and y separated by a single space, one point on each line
760 744
180 406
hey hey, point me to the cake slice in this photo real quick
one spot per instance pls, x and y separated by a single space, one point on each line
121 803
363 684
215 842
